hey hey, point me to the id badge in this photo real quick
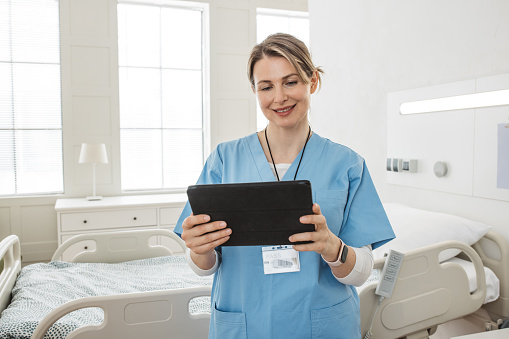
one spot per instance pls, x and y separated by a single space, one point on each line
280 259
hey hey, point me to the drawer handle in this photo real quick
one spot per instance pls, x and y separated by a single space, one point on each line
135 218
86 247
84 221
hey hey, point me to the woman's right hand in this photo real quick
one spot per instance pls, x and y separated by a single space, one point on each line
202 236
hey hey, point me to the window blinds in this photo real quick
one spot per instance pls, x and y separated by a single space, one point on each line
30 98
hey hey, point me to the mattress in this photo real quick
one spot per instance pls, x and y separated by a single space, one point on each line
42 287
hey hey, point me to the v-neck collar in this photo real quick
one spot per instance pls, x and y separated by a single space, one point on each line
264 167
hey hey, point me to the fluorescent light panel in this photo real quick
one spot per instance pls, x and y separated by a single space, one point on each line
484 99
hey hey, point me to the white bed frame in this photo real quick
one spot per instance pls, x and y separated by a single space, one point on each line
428 293
10 252
155 314
494 252
114 247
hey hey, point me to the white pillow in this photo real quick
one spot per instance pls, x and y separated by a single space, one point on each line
415 228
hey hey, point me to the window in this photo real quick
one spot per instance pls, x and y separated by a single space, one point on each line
269 21
30 98
161 75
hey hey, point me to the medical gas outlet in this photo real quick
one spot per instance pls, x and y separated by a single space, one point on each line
402 165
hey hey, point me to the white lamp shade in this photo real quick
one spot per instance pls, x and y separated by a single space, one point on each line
93 153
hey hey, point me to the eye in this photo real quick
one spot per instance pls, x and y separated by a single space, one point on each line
265 88
291 83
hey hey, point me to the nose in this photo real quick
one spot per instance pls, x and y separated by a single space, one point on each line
280 95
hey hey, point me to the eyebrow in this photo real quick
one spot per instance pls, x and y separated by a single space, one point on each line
284 78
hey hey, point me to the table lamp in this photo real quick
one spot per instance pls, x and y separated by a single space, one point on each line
93 154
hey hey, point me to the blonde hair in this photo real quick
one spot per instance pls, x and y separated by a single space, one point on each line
288 47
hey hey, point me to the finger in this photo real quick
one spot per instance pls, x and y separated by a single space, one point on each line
202 230
305 247
194 220
204 248
317 209
317 219
206 232
316 245
305 236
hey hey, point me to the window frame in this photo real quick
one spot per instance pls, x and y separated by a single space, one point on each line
205 75
19 152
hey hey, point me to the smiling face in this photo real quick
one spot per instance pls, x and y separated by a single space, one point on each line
283 96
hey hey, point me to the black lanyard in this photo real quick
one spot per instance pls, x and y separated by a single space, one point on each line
274 164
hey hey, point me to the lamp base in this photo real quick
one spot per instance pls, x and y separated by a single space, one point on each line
95 197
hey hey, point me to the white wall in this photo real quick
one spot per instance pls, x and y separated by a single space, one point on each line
369 48
91 111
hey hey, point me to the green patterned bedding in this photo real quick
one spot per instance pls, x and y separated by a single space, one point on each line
42 287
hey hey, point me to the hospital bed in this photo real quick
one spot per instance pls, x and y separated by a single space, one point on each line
122 285
459 270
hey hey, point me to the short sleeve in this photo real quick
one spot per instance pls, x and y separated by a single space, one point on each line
364 221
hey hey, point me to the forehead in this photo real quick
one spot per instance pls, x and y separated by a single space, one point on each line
272 69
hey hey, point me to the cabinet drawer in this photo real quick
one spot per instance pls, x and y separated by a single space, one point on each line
108 219
170 215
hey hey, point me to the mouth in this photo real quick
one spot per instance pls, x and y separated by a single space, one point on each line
284 111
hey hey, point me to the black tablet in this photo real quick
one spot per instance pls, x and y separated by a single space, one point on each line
260 213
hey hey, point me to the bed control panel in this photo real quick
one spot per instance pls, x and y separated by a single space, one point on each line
389 274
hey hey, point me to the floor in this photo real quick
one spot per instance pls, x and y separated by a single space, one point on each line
455 328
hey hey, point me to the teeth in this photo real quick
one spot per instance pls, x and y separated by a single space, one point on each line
284 110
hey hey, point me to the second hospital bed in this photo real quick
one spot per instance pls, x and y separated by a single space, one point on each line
405 314
453 268
124 286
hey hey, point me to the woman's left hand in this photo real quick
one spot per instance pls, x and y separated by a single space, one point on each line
324 242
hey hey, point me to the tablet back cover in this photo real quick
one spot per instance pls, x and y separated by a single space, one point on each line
262 213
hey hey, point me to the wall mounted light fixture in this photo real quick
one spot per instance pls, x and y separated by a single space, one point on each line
476 100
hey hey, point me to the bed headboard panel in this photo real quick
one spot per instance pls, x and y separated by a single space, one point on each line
499 264
111 247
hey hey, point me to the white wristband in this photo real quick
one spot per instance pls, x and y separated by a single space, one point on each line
335 263
338 261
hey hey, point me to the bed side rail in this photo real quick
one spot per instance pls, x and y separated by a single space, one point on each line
155 314
111 247
10 252
426 294
493 249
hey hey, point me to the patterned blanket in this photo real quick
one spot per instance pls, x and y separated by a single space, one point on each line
42 287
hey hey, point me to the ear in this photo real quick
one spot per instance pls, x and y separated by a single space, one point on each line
253 89
314 82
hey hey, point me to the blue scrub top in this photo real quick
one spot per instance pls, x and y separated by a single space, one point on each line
311 303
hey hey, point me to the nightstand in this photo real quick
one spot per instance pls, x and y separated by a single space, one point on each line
79 216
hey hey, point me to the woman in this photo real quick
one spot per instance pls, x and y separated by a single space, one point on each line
318 300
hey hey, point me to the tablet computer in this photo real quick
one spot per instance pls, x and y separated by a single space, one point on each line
260 213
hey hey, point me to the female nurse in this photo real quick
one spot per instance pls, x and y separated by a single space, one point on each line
316 297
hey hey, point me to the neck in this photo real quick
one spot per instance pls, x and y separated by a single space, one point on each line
285 144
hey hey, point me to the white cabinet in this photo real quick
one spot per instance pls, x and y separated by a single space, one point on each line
78 216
